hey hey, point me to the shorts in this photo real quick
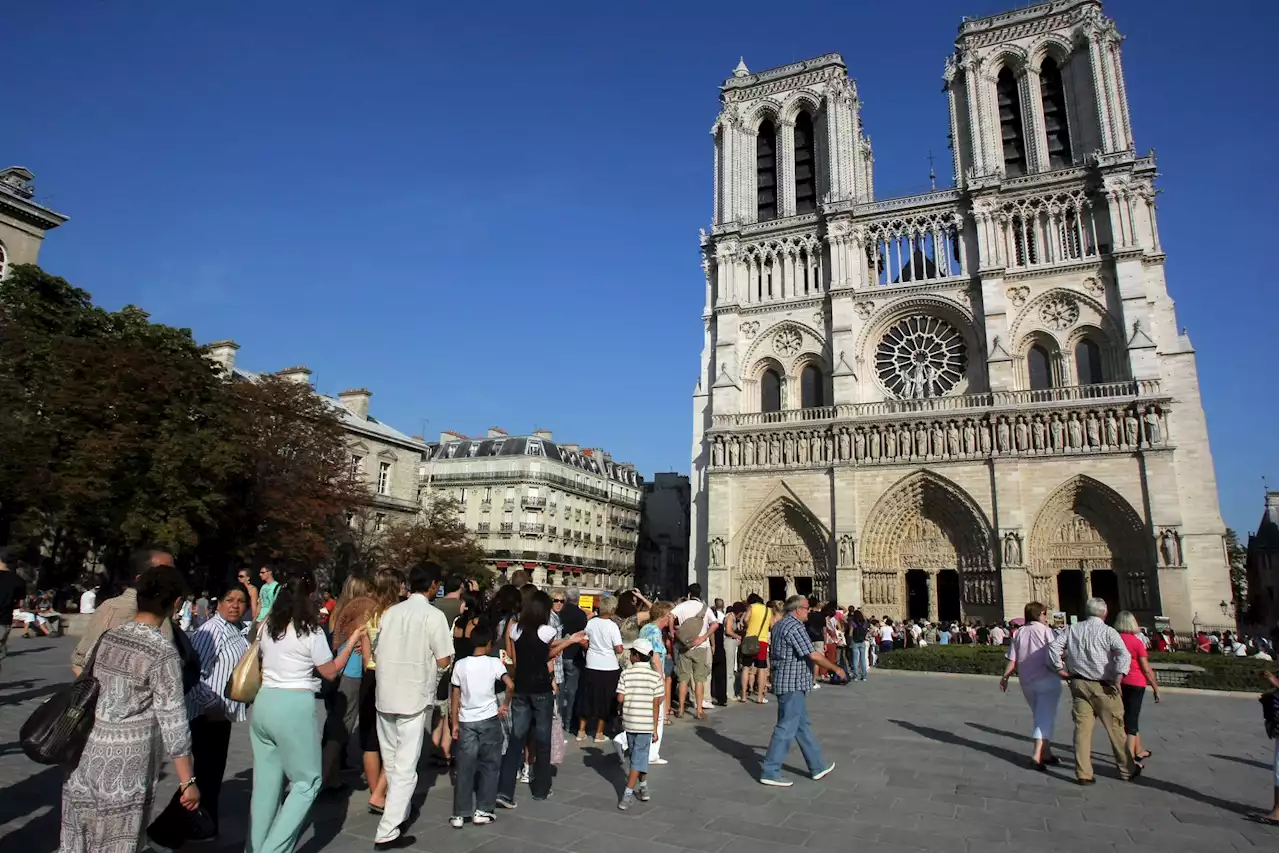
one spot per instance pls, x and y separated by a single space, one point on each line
638 744
1131 698
761 660
694 665
668 666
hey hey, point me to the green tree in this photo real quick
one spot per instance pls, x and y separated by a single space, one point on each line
436 535
1236 554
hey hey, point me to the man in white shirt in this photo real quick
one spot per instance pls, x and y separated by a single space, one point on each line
414 645
997 635
89 600
694 663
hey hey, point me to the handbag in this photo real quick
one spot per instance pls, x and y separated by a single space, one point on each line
557 740
58 730
751 645
246 678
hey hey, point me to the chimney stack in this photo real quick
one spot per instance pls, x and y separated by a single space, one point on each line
497 432
223 353
449 435
544 434
356 401
301 375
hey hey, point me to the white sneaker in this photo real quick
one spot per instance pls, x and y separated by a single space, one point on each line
524 775
481 818
776 783
817 686
456 821
707 704
658 761
822 774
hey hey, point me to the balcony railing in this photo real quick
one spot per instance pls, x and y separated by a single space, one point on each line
509 503
482 527
486 505
534 502
506 527
532 528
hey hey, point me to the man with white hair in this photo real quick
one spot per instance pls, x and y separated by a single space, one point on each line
1096 660
572 621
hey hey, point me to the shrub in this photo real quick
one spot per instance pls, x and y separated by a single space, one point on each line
1220 672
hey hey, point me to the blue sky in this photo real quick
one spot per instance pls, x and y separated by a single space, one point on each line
490 217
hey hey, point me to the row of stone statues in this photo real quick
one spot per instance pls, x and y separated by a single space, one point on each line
1130 428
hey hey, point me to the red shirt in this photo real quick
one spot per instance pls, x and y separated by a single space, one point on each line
1135 677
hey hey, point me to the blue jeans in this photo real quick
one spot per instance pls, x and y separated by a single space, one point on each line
478 755
793 724
569 694
859 670
528 711
638 744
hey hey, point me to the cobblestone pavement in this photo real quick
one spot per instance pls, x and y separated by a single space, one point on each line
924 762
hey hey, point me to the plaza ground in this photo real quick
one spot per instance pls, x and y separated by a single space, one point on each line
924 762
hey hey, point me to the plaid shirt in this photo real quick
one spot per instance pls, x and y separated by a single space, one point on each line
1093 650
789 650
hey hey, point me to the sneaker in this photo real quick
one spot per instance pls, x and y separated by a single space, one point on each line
456 821
658 761
822 774
524 775
775 783
481 818
642 793
707 703
504 803
628 799
817 686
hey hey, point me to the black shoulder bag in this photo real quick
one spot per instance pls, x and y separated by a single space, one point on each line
58 730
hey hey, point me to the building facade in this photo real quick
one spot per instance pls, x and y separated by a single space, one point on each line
567 514
384 459
951 404
662 553
1262 571
23 222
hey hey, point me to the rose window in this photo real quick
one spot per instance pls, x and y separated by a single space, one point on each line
920 357
787 342
1060 313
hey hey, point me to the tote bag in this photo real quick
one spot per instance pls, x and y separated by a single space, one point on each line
58 730
246 678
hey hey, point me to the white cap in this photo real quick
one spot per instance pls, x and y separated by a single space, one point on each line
641 645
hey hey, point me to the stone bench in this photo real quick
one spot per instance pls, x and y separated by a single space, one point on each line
1174 674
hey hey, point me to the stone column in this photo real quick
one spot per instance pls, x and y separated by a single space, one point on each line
932 580
785 171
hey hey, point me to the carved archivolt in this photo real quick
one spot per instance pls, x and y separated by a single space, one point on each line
926 521
1059 310
782 340
783 540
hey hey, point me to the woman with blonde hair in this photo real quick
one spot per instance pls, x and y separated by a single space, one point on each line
388 589
355 606
1133 685
604 644
1028 655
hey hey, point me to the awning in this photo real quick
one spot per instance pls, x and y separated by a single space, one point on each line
530 565
503 565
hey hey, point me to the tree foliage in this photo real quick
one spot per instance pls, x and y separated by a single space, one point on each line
436 535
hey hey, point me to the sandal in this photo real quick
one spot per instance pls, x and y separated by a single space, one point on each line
601 739
581 736
1143 756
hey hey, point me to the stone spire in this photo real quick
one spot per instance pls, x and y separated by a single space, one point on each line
742 70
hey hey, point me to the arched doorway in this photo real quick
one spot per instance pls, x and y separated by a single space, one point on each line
927 523
783 549
1087 541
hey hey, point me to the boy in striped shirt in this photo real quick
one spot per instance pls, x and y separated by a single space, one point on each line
640 690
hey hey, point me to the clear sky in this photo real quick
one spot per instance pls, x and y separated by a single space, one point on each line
488 214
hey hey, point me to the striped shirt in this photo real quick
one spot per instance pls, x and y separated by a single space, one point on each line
220 646
639 686
1094 651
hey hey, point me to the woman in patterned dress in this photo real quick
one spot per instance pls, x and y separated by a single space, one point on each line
140 718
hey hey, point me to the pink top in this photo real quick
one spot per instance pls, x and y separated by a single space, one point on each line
1029 649
1135 676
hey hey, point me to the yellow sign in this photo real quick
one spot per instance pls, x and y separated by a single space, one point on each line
586 602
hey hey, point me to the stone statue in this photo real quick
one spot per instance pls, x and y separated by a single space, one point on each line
717 552
859 445
873 443
1002 435
1074 433
1056 432
803 451
1091 430
717 453
1130 429
969 437
984 437
935 440
733 453
788 449
829 445
1169 549
1012 550
904 440
922 440
953 439
775 450
815 447
846 550
1020 434
1037 433
890 444
1112 429
1153 426
844 445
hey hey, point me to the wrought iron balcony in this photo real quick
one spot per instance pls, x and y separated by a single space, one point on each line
509 503
531 527
506 527
482 527
533 502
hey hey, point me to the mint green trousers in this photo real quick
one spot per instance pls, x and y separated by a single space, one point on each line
285 736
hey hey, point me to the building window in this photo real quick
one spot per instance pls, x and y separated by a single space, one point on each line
810 387
357 465
497 447
1053 97
533 447
462 495
379 521
806 178
1009 104
1088 362
384 478
473 449
488 493
766 172
452 451
1038 368
770 392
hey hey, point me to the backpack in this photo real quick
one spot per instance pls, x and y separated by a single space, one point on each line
689 630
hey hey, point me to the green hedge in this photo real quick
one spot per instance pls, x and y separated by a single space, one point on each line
1221 673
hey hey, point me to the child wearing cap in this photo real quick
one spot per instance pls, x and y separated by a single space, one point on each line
640 691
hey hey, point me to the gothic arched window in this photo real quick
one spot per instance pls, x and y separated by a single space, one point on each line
806 176
811 387
1088 362
770 392
1010 106
1039 368
1054 101
766 173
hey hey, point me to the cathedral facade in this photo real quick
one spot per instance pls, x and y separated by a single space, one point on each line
951 404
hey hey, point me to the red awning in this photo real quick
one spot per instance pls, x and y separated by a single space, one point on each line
503 565
530 565
551 566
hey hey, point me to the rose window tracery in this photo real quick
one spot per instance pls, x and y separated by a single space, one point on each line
920 357
787 342
1060 313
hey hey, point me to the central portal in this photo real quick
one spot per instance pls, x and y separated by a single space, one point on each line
917 594
949 595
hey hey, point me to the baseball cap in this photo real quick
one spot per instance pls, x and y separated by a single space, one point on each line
641 645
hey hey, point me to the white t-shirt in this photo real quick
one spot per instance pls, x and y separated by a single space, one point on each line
476 677
997 636
289 663
88 601
689 610
916 631
546 633
886 633
1240 650
604 638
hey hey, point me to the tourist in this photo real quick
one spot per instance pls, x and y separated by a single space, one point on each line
353 609
121 609
600 681
572 621
640 692
733 627
532 647
930 636
694 625
886 636
1041 687
246 580
108 795
859 629
414 645
754 649
719 680
88 600
1133 686
1096 660
11 590
186 615
474 719
791 656
997 634
915 632
449 604
267 595
654 631
944 634
388 586
833 633
284 731
202 608
220 645
1271 711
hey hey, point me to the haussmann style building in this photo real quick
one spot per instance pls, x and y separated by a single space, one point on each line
950 404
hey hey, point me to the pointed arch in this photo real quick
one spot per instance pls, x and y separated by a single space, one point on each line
783 539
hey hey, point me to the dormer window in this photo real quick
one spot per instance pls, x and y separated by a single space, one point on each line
497 447
533 447
452 451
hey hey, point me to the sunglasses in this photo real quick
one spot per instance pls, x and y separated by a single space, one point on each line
557 601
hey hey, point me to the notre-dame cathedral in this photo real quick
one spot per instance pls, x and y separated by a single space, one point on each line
951 404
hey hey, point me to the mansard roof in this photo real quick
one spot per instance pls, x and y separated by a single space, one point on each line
518 445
